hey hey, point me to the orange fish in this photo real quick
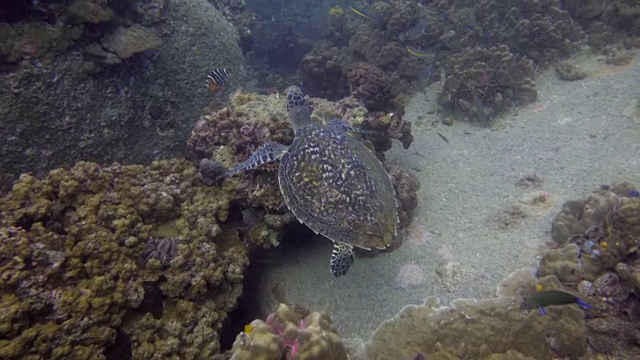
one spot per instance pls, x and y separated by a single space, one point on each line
216 79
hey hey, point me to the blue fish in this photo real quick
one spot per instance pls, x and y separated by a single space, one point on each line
634 193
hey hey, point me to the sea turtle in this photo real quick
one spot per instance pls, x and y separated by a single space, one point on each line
332 183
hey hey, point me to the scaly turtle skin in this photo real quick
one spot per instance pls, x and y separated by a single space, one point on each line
332 183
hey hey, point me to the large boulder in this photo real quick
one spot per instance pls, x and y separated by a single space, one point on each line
109 100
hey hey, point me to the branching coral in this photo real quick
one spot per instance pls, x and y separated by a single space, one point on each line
287 335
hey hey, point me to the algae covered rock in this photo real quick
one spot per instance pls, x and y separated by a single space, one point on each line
62 84
126 41
90 11
94 260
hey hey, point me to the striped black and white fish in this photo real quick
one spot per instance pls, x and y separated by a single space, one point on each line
216 79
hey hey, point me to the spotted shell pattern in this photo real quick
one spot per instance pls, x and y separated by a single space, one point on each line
336 185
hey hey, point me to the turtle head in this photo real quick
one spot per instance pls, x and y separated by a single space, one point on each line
297 108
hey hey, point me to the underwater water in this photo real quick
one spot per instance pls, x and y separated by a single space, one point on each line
166 194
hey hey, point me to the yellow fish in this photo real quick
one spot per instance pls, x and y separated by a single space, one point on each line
414 52
360 12
248 329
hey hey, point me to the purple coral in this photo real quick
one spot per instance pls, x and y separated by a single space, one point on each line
371 85
161 249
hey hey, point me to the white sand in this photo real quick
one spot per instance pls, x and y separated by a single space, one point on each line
579 141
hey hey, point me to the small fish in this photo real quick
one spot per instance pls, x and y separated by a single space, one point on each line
419 357
443 138
248 329
362 13
634 193
216 79
416 52
542 299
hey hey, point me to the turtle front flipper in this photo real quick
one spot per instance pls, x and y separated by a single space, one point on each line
267 153
342 257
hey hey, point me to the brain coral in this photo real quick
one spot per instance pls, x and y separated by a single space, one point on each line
71 283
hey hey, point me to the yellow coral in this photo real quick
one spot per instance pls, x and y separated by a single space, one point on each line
76 236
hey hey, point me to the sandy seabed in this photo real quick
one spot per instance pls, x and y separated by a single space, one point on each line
475 222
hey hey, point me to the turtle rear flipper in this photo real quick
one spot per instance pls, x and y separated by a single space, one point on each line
268 152
342 257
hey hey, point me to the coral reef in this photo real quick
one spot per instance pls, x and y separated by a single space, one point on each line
538 29
603 229
481 82
287 334
406 186
492 328
370 85
230 135
62 86
568 71
498 328
414 40
248 121
597 240
321 71
611 26
129 260
242 18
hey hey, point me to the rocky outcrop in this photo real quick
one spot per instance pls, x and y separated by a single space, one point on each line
128 91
